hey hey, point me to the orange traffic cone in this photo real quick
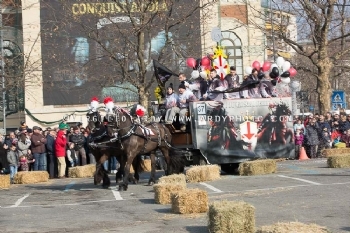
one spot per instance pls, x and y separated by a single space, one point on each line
302 154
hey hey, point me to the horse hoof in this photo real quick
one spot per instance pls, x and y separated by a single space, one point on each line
151 183
105 186
135 182
123 188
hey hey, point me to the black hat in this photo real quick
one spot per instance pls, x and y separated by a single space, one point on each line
29 131
22 122
171 86
182 86
232 68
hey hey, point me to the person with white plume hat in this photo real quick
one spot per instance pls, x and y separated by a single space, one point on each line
94 104
108 101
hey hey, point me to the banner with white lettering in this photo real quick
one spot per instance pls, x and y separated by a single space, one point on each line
233 131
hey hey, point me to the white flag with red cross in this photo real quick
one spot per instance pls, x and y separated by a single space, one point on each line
249 131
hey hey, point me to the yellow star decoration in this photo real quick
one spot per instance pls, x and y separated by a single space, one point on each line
219 52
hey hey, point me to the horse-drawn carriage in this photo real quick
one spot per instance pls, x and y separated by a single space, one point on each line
225 133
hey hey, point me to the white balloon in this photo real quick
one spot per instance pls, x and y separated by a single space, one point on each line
273 65
203 74
286 66
195 74
280 61
285 80
248 70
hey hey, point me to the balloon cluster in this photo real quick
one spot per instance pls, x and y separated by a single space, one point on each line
281 71
201 66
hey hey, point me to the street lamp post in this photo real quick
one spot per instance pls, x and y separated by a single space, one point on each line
272 33
2 72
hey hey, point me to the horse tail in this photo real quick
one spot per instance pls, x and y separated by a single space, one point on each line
177 161
136 164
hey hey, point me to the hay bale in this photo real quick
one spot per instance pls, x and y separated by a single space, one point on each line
173 179
231 216
4 181
31 177
146 165
292 227
335 151
82 171
339 161
189 201
257 167
162 192
203 173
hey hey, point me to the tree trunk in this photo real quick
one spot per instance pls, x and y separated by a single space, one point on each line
143 97
323 85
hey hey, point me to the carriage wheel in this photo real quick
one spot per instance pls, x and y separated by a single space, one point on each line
230 168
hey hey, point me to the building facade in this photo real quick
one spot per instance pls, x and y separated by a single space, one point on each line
244 39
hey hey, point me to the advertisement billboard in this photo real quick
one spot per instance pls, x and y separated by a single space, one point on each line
87 45
233 131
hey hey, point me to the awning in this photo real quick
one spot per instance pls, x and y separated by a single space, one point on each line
284 54
281 54
276 27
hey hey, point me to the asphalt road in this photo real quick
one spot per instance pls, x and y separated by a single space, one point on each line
304 191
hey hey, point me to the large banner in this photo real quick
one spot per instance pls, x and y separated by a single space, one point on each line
234 131
85 44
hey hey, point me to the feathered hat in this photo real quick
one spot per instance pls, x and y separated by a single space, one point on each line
140 111
108 101
94 104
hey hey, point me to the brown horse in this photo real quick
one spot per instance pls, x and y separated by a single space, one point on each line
103 148
137 139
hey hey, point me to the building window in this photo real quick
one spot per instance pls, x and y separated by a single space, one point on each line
233 48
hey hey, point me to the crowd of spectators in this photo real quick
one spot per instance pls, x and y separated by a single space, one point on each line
52 149
317 132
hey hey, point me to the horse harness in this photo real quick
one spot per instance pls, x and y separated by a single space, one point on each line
146 135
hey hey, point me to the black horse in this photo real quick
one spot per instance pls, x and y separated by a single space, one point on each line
137 139
103 148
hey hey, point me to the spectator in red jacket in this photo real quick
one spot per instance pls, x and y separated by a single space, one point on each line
60 149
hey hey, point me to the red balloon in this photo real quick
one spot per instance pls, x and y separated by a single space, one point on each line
266 66
205 61
292 72
191 62
256 65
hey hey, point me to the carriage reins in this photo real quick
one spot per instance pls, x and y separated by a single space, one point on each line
130 132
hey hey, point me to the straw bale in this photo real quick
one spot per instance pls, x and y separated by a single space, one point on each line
203 173
189 201
231 216
82 171
31 177
335 151
257 167
162 192
146 165
339 161
173 179
4 181
292 227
